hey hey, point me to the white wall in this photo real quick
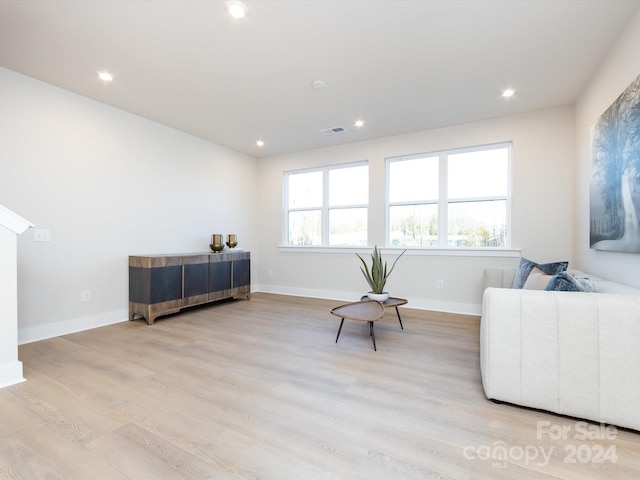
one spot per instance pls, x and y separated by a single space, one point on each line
542 209
620 68
108 185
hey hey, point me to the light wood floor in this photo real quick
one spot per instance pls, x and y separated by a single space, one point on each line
259 389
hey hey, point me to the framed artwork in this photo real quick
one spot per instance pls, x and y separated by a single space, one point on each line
615 182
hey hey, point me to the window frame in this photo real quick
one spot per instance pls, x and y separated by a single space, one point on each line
443 200
325 209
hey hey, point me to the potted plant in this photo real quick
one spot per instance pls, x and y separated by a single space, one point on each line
378 274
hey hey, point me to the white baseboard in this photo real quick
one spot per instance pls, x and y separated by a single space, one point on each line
417 303
42 332
50 330
10 374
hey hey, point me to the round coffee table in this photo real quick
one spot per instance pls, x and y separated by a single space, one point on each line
363 311
391 302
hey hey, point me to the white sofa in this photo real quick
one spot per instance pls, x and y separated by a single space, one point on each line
572 353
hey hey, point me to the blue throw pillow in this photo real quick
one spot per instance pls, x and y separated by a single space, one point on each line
565 282
525 267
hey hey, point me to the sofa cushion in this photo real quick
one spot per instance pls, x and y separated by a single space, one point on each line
525 267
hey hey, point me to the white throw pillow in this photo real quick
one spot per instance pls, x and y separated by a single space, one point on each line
537 280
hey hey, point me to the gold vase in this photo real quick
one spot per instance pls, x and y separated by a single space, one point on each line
232 240
216 242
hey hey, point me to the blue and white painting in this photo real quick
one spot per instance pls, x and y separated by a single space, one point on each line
615 183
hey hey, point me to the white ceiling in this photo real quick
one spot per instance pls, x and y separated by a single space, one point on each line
399 65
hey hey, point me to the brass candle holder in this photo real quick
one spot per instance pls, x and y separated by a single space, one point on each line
232 240
216 242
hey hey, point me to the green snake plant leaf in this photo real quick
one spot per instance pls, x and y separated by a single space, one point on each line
377 276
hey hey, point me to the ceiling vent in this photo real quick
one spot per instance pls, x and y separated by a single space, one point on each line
332 131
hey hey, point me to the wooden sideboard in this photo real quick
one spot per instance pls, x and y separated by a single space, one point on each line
164 284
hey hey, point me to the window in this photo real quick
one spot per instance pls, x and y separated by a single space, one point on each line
327 206
456 198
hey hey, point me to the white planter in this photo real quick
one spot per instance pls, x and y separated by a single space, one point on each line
378 297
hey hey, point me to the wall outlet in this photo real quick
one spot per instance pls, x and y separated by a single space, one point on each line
41 235
86 295
269 273
440 284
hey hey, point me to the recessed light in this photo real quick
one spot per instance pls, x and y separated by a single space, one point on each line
260 143
508 93
359 123
105 76
236 8
317 84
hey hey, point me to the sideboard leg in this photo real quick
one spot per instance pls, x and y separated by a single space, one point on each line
148 316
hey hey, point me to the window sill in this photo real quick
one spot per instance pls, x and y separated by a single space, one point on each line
418 251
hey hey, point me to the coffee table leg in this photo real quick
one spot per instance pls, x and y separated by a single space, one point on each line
399 319
339 329
373 337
